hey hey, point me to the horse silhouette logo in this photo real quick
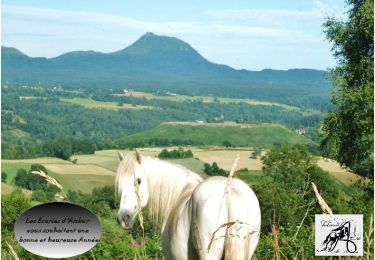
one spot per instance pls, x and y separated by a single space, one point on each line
338 235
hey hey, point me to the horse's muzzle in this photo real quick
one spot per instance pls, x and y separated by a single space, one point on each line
125 222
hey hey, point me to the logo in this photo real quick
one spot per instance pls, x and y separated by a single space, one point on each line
338 235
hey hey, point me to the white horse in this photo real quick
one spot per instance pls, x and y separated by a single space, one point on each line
200 220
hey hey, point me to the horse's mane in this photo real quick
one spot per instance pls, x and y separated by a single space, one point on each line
167 182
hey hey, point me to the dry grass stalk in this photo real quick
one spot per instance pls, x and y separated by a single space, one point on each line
323 205
227 225
303 219
49 179
140 216
230 177
369 237
12 252
276 242
231 173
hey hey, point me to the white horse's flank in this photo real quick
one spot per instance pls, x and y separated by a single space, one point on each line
190 209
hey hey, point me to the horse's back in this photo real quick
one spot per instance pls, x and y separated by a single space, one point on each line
212 207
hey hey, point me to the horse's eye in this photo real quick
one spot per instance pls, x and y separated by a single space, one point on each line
139 181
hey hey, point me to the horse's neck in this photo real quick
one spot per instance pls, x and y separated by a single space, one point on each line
166 184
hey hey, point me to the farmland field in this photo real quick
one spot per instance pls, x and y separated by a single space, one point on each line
90 103
99 169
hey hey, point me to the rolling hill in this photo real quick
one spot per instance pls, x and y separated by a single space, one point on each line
261 135
159 62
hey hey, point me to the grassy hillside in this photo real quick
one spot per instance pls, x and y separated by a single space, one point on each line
262 135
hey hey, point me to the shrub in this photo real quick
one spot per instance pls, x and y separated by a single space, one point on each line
214 170
175 154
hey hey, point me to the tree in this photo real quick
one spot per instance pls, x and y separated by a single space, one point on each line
228 144
286 195
255 153
4 177
214 170
348 131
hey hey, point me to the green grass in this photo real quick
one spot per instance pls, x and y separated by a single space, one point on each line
83 182
90 103
261 136
209 99
106 161
11 168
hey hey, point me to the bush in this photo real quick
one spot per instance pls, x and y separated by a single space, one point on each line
175 154
214 170
34 182
255 153
39 195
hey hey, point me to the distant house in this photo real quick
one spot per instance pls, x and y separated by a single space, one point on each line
199 121
301 131
170 94
126 91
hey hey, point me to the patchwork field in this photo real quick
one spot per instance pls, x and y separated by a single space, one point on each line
99 169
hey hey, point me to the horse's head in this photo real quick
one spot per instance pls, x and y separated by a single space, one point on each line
131 184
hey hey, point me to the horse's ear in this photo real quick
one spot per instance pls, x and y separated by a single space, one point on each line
138 156
121 156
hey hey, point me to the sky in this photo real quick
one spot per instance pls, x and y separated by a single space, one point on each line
244 34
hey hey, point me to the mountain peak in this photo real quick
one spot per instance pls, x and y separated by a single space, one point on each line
150 43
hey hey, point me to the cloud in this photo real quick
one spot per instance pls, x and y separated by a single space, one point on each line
49 32
317 12
86 21
263 15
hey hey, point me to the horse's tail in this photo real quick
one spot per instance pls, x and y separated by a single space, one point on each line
242 235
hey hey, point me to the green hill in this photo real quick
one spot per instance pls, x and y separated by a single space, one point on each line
262 135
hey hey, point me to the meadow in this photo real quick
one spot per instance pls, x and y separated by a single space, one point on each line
243 135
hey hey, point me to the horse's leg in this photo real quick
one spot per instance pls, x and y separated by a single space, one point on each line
207 245
177 244
211 214
205 220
